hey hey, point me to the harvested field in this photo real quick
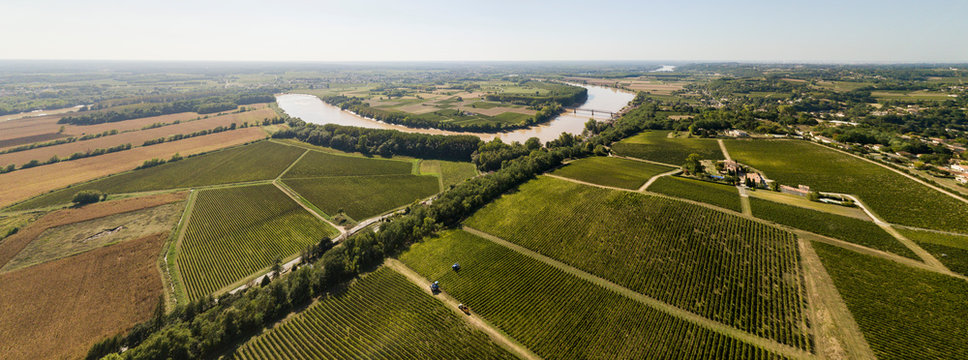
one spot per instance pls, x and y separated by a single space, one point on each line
12 245
34 126
29 140
135 138
66 240
84 298
23 184
261 112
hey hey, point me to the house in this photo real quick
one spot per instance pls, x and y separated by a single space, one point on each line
756 179
959 168
731 167
737 133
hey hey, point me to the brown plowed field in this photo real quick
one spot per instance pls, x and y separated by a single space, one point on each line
57 310
23 184
135 138
16 242
34 126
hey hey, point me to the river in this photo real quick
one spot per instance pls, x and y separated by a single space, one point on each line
313 110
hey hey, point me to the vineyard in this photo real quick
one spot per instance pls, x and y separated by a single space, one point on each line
558 315
724 267
657 146
724 196
904 312
892 196
451 172
235 232
951 250
610 171
258 161
849 229
362 197
318 164
381 316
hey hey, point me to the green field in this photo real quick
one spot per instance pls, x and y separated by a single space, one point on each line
235 232
657 146
450 172
362 197
904 312
317 164
611 171
263 160
380 316
558 315
724 267
849 229
724 196
890 195
951 250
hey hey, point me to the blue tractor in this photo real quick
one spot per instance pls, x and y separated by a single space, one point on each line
435 287
456 267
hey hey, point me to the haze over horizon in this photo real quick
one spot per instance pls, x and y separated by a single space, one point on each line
297 30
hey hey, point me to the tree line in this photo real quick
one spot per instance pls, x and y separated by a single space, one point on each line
206 105
380 141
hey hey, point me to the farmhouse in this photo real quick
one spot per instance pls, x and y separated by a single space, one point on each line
756 179
731 167
737 133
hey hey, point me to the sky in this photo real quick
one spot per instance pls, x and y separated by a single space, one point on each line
885 31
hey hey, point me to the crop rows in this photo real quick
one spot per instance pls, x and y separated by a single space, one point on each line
362 197
890 195
610 171
724 267
904 312
381 316
715 194
657 146
317 164
558 315
259 161
839 227
950 249
234 232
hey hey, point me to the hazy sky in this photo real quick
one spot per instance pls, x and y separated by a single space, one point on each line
394 30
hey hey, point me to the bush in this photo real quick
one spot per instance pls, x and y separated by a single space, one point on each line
84 197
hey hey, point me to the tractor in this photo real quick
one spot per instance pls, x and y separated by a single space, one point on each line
464 308
456 267
435 287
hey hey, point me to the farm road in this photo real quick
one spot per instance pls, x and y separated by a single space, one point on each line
654 178
694 318
836 333
496 335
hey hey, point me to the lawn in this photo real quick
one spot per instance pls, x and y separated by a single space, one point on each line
709 262
263 160
657 146
362 197
558 315
610 171
381 316
236 232
904 312
724 196
849 229
890 195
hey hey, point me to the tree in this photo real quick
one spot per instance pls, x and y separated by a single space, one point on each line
813 196
277 267
692 165
85 197
775 186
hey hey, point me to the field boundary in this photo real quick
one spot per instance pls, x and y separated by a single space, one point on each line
654 178
171 255
909 176
499 337
656 304
292 164
643 160
285 190
836 333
